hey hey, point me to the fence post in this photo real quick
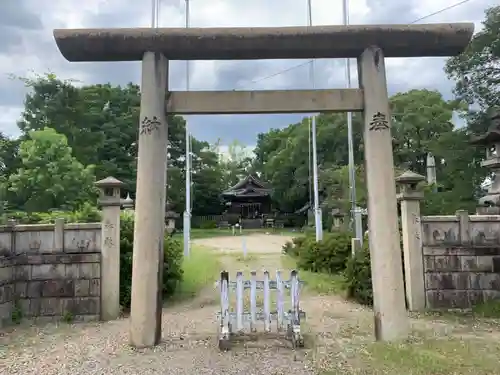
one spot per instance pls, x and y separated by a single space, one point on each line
267 303
59 235
280 301
109 200
253 301
412 239
225 324
239 301
464 226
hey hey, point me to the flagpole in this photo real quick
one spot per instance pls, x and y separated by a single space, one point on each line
317 210
153 13
187 212
355 211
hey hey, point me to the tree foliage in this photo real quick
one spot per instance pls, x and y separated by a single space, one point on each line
50 176
422 123
476 72
72 134
100 123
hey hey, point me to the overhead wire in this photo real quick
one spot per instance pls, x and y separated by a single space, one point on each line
265 78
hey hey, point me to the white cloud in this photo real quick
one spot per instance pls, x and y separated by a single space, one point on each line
38 52
8 117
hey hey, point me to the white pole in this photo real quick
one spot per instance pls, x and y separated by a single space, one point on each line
187 212
352 169
153 13
309 172
244 246
317 210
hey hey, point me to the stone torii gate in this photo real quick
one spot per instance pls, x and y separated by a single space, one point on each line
369 44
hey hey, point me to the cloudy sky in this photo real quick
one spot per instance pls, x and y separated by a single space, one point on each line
27 46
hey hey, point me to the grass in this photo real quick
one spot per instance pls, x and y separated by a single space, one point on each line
201 270
489 309
320 283
434 355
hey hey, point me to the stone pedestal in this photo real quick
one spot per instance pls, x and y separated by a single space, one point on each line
412 239
149 227
391 320
109 200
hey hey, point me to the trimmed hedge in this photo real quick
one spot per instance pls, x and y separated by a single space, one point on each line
333 256
328 256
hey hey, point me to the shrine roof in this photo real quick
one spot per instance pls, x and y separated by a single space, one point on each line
249 186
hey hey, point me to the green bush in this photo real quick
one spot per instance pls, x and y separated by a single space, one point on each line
208 224
358 277
87 214
329 255
293 247
172 262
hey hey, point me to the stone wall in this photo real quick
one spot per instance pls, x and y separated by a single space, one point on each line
50 271
461 257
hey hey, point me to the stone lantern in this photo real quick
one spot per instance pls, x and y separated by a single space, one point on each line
490 203
408 182
128 203
109 191
338 219
109 199
170 217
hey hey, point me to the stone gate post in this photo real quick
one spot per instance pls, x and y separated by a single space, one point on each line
109 200
391 320
412 239
149 227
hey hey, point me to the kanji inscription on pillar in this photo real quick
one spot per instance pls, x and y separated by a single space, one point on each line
109 225
108 241
417 226
379 122
149 125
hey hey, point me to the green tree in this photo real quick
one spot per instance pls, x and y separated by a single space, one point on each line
477 71
9 162
418 118
422 123
100 123
49 176
283 159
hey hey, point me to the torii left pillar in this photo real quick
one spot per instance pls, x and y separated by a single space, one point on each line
149 226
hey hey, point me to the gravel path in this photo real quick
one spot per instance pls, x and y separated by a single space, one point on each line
189 343
336 335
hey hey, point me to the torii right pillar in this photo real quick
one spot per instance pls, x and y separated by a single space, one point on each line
391 319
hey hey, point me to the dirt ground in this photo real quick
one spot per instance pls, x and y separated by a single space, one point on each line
338 335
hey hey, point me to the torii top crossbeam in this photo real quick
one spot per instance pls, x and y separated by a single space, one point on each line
121 44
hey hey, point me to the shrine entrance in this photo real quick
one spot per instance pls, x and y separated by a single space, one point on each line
370 45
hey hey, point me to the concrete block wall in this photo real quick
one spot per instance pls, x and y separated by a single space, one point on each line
461 256
6 289
50 271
